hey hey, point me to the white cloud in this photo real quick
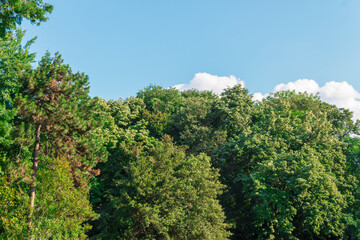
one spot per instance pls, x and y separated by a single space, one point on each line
258 96
206 81
301 85
341 94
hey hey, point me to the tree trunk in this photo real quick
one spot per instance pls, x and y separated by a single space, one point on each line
34 175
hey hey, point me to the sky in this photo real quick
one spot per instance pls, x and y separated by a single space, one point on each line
268 46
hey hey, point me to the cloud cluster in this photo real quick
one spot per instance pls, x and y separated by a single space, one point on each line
206 81
341 94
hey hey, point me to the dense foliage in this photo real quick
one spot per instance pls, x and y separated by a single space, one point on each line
165 164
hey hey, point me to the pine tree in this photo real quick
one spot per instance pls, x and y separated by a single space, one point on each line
54 102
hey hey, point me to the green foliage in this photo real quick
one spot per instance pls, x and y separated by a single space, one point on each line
12 211
157 98
14 59
12 12
352 152
292 173
192 124
6 117
234 111
154 191
62 209
159 103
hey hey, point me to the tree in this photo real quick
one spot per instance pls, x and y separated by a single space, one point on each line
54 102
160 104
234 111
291 173
157 98
192 123
150 189
14 59
12 12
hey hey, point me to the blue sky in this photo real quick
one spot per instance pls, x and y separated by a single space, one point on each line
125 45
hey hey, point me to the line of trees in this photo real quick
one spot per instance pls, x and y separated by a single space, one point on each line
165 164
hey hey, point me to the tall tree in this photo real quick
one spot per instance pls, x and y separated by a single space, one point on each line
54 102
291 173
